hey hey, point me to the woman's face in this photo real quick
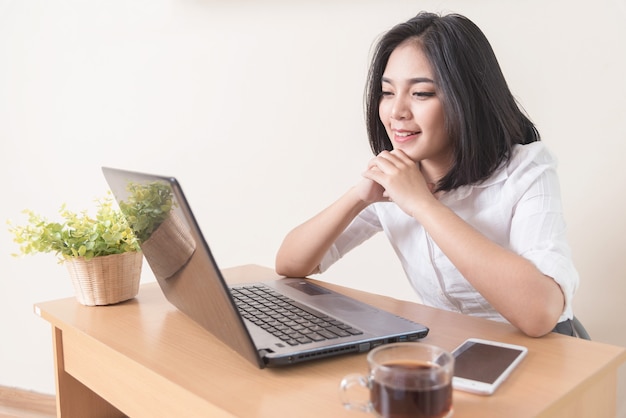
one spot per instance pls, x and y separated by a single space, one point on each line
411 109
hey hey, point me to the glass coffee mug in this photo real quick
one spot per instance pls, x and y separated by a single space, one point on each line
405 380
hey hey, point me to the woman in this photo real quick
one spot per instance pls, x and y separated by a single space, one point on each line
461 185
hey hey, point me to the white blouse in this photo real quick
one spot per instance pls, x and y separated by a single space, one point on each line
518 207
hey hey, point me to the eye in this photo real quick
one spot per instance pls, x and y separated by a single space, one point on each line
424 94
386 93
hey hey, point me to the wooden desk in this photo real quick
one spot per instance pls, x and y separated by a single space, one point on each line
143 358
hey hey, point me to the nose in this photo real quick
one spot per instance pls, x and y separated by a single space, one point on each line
400 109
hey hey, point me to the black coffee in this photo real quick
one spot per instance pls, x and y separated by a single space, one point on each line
401 393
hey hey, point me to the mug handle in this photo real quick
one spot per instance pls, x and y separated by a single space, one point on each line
349 386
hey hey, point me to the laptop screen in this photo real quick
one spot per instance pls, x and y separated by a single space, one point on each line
178 254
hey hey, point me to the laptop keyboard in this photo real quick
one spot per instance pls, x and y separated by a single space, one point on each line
287 319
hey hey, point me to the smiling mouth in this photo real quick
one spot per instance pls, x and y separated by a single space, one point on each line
405 135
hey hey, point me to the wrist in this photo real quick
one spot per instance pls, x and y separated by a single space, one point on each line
355 199
425 208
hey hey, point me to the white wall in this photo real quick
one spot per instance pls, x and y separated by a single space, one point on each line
257 107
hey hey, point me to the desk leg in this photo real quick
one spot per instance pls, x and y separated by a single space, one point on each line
73 398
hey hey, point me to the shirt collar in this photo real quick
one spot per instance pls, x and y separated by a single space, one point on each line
464 191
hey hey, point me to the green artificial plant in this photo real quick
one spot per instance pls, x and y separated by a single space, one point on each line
78 234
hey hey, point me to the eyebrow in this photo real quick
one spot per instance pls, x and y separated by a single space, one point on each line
415 80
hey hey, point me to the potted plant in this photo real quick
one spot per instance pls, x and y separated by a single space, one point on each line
101 253
164 237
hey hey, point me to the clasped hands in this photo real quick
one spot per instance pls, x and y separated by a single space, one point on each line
393 176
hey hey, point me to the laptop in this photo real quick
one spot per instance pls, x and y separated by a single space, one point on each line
271 323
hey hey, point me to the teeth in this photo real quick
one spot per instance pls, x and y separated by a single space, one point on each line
405 133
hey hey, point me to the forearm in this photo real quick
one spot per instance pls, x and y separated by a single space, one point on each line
304 247
512 284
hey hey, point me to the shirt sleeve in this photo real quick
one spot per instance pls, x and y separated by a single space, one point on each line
363 227
538 229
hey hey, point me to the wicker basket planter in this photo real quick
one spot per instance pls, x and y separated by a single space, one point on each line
107 279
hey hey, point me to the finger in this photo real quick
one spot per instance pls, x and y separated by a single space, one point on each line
375 175
385 162
371 163
398 159
400 155
372 172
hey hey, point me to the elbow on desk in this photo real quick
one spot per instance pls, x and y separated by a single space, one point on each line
288 270
537 315
536 332
282 271
293 270
537 325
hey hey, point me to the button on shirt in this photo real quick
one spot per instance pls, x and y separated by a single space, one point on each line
518 207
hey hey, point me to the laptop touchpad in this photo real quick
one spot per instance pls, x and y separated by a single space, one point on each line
335 302
308 288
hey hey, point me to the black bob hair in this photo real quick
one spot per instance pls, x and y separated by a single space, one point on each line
483 119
